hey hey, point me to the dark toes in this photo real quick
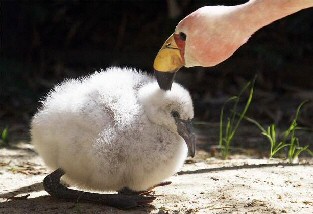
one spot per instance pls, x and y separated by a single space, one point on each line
146 193
133 201
164 183
144 200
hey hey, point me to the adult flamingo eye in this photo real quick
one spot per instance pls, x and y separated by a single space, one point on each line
182 36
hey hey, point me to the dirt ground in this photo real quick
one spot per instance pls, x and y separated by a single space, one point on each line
204 185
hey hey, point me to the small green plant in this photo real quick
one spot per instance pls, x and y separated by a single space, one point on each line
4 137
271 134
288 140
228 131
294 147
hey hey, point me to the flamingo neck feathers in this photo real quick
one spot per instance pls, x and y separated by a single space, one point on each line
214 33
259 13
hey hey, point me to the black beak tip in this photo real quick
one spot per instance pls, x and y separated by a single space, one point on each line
165 79
192 154
192 147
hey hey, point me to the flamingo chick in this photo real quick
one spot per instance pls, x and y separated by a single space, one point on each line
111 131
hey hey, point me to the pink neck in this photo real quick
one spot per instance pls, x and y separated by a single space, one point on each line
259 13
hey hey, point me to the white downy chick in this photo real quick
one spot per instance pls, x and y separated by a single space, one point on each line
114 129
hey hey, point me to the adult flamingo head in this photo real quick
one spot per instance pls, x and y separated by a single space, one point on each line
211 34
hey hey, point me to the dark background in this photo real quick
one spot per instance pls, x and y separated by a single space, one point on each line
44 42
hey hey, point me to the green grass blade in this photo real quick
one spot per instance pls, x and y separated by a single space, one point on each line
221 134
255 123
310 152
5 136
243 113
300 150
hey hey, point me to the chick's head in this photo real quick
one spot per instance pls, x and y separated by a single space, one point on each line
165 107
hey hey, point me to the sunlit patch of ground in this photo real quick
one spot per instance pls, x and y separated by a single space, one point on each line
204 185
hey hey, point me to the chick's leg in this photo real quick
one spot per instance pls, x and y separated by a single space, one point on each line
127 191
53 186
164 183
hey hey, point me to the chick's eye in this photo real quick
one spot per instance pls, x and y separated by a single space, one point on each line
175 114
182 36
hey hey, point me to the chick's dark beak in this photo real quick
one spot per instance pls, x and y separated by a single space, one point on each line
168 61
184 129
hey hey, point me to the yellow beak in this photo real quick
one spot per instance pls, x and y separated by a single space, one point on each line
169 57
167 62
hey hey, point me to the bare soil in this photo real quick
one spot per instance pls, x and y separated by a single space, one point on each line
204 185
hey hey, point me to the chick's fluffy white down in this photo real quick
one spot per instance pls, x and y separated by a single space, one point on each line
112 129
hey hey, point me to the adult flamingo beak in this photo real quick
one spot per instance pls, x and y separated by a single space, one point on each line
168 61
